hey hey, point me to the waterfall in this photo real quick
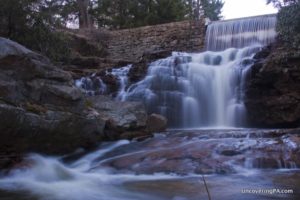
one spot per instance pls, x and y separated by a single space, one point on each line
198 89
206 89
240 33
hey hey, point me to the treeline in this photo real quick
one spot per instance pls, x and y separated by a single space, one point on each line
134 13
33 23
104 13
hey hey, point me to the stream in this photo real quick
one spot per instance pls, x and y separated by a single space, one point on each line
170 166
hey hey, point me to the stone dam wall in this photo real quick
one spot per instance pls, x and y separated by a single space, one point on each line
131 44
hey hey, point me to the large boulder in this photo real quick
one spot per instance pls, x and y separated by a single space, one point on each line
42 110
49 132
120 117
272 94
156 123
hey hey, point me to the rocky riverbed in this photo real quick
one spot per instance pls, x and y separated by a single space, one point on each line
170 166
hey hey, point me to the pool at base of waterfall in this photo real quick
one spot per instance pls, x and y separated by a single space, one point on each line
235 164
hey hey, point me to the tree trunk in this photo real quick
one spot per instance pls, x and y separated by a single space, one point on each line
197 10
84 16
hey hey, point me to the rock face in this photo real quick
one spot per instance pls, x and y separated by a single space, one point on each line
42 110
272 94
119 116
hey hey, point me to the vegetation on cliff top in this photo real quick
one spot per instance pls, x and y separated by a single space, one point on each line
32 23
288 22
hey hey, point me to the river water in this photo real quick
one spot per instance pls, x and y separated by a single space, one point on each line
169 166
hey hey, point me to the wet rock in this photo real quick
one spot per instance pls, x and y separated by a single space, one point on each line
229 152
50 132
139 69
264 53
156 123
272 93
111 82
292 142
41 110
265 163
219 153
120 116
138 135
71 93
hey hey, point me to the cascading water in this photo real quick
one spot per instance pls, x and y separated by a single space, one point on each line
121 74
222 35
92 85
206 89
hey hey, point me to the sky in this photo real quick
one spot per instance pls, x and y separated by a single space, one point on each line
245 8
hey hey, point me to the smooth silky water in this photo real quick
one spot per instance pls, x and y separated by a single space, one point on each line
197 90
167 167
193 90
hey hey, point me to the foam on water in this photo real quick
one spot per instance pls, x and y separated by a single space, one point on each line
49 178
199 89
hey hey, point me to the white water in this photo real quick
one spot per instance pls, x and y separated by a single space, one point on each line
239 33
121 74
206 89
48 178
92 85
197 90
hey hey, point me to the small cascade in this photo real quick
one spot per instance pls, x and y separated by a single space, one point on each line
239 33
121 74
92 85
